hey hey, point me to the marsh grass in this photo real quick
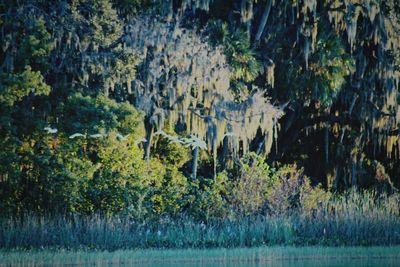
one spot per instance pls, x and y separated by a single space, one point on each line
348 220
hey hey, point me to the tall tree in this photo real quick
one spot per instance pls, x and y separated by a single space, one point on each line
186 80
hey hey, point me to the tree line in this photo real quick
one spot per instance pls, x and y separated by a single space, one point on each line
164 107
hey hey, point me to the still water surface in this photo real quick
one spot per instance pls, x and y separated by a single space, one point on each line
295 263
241 257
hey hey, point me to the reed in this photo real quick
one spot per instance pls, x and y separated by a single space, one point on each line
351 219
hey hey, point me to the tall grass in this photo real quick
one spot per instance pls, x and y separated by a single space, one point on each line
353 219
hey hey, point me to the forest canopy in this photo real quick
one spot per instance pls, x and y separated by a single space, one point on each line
162 107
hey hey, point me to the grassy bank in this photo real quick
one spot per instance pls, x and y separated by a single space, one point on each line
273 256
119 233
356 220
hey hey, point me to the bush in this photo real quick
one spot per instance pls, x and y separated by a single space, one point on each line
171 197
212 198
293 192
93 163
251 190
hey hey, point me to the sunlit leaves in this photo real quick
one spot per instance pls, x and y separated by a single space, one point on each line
240 56
16 86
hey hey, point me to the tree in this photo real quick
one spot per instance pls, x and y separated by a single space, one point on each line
336 64
175 81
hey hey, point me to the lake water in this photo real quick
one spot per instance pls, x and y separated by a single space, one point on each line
241 257
280 263
295 263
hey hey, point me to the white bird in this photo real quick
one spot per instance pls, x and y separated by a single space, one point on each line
77 135
121 137
96 135
50 130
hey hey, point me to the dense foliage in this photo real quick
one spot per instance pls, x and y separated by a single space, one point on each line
212 109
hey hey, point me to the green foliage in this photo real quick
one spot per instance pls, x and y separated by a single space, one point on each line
85 114
26 42
132 6
115 182
213 199
35 44
292 191
97 21
15 87
253 186
329 66
313 199
87 174
171 196
237 48
70 66
171 152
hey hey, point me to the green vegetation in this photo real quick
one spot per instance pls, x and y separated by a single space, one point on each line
196 123
352 220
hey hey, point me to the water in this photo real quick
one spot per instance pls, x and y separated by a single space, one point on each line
292 263
241 257
280 263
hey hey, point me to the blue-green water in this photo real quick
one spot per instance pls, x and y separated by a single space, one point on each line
241 257
277 263
292 263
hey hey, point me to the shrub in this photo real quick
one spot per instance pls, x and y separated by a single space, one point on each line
253 187
292 191
213 198
313 199
285 193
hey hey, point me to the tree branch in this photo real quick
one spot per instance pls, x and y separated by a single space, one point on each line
264 19
330 119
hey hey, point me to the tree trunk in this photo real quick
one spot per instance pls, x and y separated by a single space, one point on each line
260 147
225 154
336 182
337 174
354 174
264 19
194 162
326 154
326 144
215 159
149 137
